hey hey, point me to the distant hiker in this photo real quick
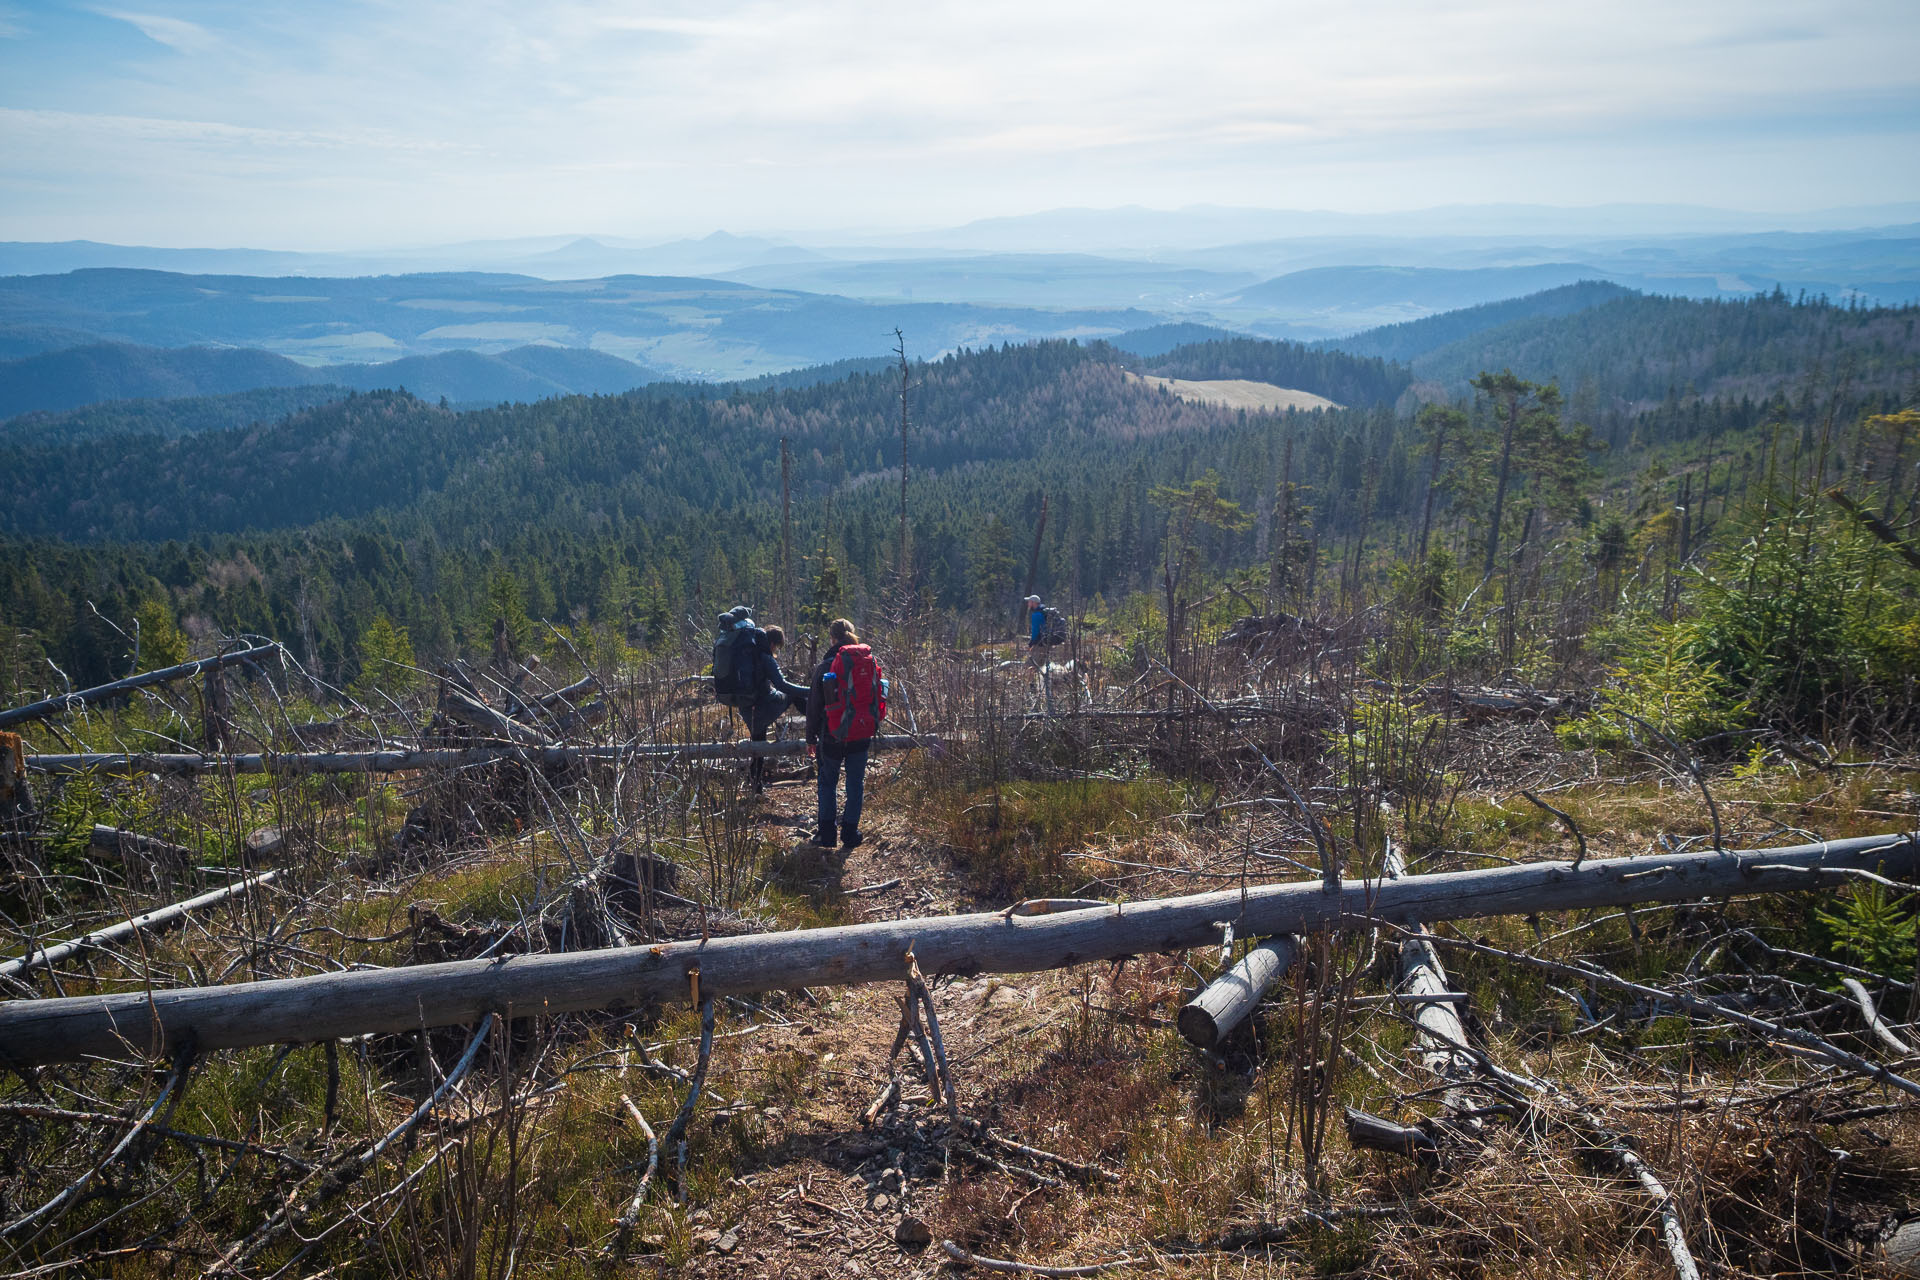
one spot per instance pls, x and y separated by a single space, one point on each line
1045 627
845 706
747 677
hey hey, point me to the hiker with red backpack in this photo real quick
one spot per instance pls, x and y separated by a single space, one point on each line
845 706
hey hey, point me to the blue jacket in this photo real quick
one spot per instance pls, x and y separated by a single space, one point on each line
1036 623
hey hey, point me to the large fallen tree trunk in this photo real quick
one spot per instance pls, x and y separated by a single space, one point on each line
47 707
333 1005
159 918
432 757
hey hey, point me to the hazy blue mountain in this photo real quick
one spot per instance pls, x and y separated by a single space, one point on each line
690 328
60 380
1136 229
30 340
580 370
1424 288
30 258
1402 342
1037 280
1162 338
57 380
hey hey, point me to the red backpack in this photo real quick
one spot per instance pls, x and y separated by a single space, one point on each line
855 701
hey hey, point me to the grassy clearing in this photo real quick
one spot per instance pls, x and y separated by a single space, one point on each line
1013 840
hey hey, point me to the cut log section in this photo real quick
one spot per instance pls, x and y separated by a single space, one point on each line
334 1005
130 845
158 918
48 707
1209 1017
434 757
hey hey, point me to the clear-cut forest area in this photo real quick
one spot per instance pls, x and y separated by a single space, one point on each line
1465 830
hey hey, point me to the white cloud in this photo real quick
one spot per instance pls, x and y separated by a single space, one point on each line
176 33
625 117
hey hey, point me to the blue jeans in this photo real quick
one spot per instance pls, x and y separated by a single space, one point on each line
832 758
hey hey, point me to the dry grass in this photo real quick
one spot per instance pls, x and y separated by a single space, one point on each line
529 1161
1238 393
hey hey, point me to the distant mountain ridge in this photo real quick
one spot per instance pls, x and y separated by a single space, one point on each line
1440 288
1162 338
61 380
686 327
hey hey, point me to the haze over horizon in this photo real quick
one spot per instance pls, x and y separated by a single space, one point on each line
367 126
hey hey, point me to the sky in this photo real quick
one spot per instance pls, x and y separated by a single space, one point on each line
356 125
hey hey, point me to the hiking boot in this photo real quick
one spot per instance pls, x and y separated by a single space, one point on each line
824 840
853 840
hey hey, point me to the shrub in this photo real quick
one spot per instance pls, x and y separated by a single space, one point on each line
1662 680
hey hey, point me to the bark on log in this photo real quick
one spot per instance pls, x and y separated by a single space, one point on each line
1421 975
158 918
1376 1134
563 699
478 715
434 757
130 844
1210 1016
336 1005
47 707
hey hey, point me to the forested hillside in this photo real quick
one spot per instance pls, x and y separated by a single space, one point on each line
167 417
54 381
66 379
1342 378
619 515
622 507
1638 349
1401 343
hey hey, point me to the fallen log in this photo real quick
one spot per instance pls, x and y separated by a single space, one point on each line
478 715
131 844
432 757
1209 1017
1422 975
336 1005
158 918
47 707
563 699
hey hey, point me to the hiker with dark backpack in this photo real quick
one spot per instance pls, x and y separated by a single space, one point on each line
747 677
1045 627
845 706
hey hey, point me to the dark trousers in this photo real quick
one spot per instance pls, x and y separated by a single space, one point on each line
833 759
761 717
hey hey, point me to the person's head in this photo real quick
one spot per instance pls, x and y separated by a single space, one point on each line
1033 602
776 637
841 632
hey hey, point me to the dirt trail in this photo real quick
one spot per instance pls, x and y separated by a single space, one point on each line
827 1197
